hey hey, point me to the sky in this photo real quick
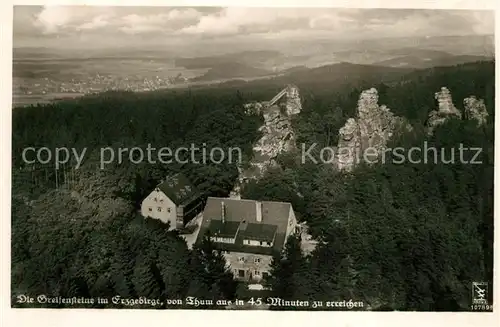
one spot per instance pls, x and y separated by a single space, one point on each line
84 27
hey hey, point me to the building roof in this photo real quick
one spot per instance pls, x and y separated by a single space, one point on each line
227 229
273 224
260 232
178 189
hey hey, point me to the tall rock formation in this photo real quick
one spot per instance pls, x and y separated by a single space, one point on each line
446 110
349 142
277 134
475 109
366 135
293 104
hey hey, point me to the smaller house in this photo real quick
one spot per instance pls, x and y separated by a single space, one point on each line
173 201
248 233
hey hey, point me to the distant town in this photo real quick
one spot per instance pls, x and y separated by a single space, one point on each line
96 83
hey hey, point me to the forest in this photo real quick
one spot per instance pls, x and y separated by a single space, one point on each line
398 237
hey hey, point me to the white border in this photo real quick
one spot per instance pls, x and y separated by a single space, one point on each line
83 317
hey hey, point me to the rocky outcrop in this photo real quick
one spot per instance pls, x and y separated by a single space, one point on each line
446 110
475 109
366 136
349 141
293 104
277 134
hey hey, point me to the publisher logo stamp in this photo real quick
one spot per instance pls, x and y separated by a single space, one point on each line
480 296
479 293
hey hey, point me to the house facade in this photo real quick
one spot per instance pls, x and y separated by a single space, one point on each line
248 233
174 201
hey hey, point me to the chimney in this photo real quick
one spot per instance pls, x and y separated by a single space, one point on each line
223 211
258 211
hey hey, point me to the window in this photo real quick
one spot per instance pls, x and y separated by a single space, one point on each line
156 199
261 243
268 243
241 273
241 259
265 274
257 273
161 200
291 222
159 209
168 209
256 260
150 209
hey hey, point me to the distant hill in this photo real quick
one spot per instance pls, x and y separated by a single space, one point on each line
294 69
345 73
434 60
252 58
231 70
319 80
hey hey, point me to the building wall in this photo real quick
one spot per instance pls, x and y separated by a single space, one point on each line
157 205
292 224
190 211
249 266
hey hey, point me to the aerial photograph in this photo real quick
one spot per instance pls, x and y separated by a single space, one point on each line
232 158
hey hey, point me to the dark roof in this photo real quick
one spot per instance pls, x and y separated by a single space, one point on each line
272 225
260 232
226 229
178 188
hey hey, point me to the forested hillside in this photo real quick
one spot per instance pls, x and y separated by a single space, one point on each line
85 238
406 237
398 236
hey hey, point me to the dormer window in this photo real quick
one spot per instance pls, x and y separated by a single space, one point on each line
223 231
259 234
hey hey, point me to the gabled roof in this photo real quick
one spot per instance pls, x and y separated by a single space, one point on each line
272 226
178 188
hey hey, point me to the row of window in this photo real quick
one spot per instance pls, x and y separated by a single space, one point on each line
156 200
261 243
159 209
241 273
242 260
222 239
